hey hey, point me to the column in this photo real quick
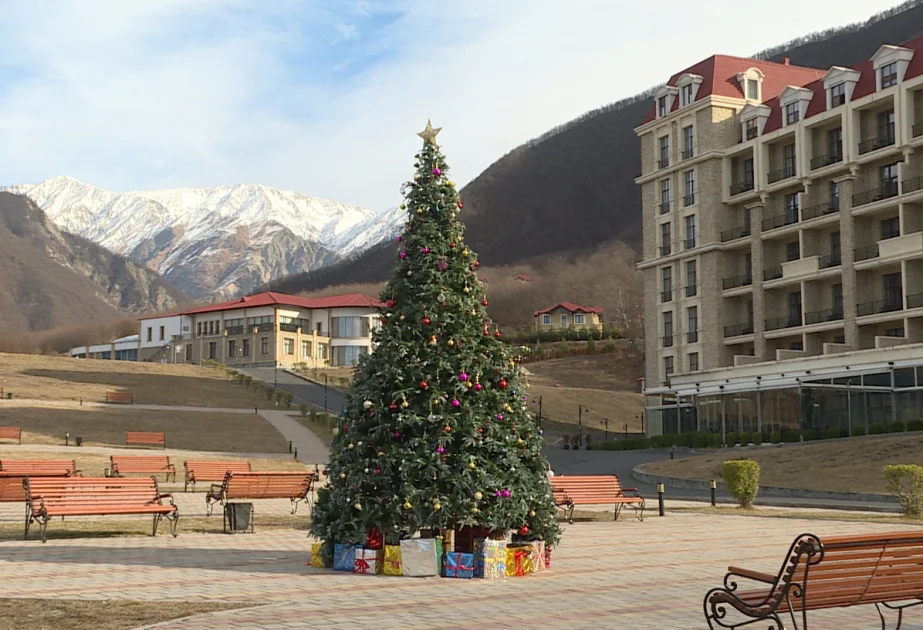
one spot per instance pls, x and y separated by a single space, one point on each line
759 309
847 254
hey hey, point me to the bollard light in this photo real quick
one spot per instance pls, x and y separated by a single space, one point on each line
660 497
289 446
713 485
67 439
296 452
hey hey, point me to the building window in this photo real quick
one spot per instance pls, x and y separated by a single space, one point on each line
350 326
246 348
686 95
306 349
198 329
264 345
792 251
794 308
752 128
838 300
348 355
564 320
748 213
692 323
667 366
162 333
837 95
688 141
835 247
693 361
788 160
792 113
886 127
890 228
834 195
791 208
690 231
664 152
666 275
262 324
212 349
322 351
748 266
232 349
892 287
664 196
288 346
578 318
661 106
753 90
888 180
150 333
690 278
894 332
888 75
665 238
546 320
689 188
668 329
835 145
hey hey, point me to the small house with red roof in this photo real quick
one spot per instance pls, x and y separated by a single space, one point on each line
568 315
523 277
266 329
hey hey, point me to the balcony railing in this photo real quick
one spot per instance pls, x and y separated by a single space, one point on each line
664 207
689 199
668 341
826 315
735 233
878 142
865 253
772 273
918 130
665 250
691 290
782 173
880 306
738 329
788 321
742 187
780 220
288 327
235 330
737 281
692 336
265 327
663 162
830 260
885 190
915 300
819 210
689 243
912 185
826 160
186 337
666 295
688 152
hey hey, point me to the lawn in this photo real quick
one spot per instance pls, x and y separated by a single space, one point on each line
51 614
337 378
106 426
62 378
321 428
847 465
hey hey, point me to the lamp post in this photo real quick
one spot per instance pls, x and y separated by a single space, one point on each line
607 428
325 393
580 409
539 411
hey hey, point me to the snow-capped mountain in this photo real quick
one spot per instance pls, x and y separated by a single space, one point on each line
214 242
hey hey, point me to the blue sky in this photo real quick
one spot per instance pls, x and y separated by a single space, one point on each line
324 96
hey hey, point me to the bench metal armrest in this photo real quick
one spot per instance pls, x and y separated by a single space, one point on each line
749 574
635 490
166 496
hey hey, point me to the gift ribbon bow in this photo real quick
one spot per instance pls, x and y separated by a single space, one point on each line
454 570
362 565
395 564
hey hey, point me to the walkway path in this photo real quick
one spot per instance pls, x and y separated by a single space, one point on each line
311 450
304 390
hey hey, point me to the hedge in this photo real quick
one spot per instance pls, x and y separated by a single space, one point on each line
906 482
742 479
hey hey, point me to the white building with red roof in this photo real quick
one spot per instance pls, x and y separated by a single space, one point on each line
568 315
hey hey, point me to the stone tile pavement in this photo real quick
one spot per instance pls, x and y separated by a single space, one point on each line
628 575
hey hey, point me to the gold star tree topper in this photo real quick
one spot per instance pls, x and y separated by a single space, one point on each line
429 134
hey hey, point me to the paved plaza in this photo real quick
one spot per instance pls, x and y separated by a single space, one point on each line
625 575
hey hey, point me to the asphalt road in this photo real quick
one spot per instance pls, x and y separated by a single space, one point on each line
304 391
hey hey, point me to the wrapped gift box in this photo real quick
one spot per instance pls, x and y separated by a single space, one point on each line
440 555
547 557
392 564
459 565
344 557
518 560
368 561
448 541
465 538
490 559
538 555
317 555
418 557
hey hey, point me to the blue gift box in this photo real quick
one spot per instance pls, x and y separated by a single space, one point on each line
459 565
344 557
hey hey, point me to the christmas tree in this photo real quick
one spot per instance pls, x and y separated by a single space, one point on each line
436 432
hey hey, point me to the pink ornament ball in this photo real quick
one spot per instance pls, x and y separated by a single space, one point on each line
440 450
443 265
478 387
437 172
506 494
498 494
499 416
456 403
378 471
396 434
463 377
398 238
426 250
403 255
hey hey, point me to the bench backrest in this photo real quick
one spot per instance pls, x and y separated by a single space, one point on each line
39 467
11 490
587 489
213 471
10 433
140 463
119 397
267 485
145 437
851 570
61 493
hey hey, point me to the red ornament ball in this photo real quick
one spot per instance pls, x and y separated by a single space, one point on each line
325 472
477 263
392 406
426 321
497 334
502 384
460 204
423 385
484 302
523 530
452 245
389 303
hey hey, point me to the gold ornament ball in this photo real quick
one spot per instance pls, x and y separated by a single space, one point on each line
450 342
478 496
472 465
342 475
519 441
405 404
350 446
335 431
466 290
403 206
475 509
451 215
469 384
531 512
407 505
419 210
437 506
358 506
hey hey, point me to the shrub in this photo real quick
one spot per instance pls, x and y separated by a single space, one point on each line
811 435
269 391
915 425
313 415
790 436
876 429
832 433
731 438
589 443
714 440
775 437
590 346
897 427
303 409
662 441
742 479
288 399
757 438
858 429
247 380
700 439
906 482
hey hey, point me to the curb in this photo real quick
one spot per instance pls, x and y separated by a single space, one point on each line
771 491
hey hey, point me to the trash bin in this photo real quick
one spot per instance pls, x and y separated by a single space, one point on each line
237 517
79 441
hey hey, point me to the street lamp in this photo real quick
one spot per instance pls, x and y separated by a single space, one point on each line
325 393
606 421
580 409
539 411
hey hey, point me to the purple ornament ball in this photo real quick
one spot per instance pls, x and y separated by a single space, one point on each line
398 238
437 172
506 494
426 250
403 255
456 403
499 416
463 377
440 450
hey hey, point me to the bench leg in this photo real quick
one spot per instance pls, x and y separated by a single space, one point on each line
43 525
28 521
157 518
210 505
618 510
639 511
900 615
174 521
570 513
252 519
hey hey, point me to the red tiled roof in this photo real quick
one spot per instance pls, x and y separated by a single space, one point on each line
572 308
719 77
271 298
524 277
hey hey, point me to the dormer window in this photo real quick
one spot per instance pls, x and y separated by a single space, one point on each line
890 64
753 90
752 129
686 95
839 84
792 113
794 103
688 86
888 75
751 84
838 95
661 106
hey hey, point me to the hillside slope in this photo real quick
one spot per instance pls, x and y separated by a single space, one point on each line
50 278
573 188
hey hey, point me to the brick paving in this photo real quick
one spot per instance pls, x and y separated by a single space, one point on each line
626 575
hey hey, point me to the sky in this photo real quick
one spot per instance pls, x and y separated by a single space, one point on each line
325 97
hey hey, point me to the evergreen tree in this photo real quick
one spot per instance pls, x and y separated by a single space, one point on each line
436 432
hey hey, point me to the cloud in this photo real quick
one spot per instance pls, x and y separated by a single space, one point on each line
326 96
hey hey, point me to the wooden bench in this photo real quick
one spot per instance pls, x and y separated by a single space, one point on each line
571 491
11 433
143 464
145 438
48 497
883 569
211 471
38 468
294 486
121 398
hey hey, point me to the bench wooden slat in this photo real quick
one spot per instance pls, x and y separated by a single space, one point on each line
120 397
38 467
570 491
11 433
145 438
211 471
144 464
295 486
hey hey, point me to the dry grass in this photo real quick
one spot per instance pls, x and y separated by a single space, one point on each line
617 371
53 614
814 515
849 465
320 428
62 378
106 426
560 405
